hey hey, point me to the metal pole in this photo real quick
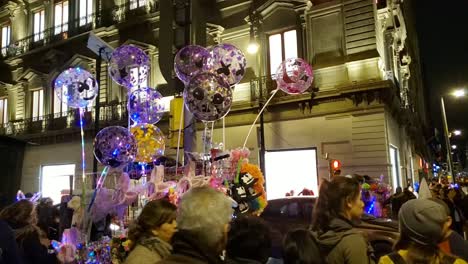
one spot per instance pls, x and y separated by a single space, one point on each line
447 140
97 110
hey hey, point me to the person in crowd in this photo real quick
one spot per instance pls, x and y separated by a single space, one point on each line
203 221
421 224
408 193
152 232
338 206
9 253
458 220
48 218
452 243
411 189
31 241
395 201
249 241
297 247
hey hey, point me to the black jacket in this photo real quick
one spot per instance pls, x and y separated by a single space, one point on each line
187 249
9 253
30 248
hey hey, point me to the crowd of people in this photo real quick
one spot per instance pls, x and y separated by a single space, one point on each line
203 229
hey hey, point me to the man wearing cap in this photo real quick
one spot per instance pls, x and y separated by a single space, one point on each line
422 227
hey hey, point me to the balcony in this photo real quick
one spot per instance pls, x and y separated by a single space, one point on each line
102 18
110 114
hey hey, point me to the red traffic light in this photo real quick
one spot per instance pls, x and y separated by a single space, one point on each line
336 164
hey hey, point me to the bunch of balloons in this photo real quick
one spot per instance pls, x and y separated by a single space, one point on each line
144 142
209 76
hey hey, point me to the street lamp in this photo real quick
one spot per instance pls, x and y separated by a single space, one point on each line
454 146
457 132
457 93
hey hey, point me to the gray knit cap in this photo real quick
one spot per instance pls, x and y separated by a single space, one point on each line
422 221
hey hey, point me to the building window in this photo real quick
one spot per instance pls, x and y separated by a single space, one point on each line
61 17
282 46
3 110
37 104
56 181
6 34
86 11
39 17
396 180
60 107
137 3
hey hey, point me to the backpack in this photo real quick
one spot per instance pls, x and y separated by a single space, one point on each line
398 259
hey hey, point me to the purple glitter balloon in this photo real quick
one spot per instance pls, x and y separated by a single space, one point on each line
76 87
145 106
129 66
189 61
115 146
294 76
208 96
227 61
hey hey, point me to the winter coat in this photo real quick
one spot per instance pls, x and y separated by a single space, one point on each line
187 249
403 253
241 261
149 251
9 253
342 244
30 248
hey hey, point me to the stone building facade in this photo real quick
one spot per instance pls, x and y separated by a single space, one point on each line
365 107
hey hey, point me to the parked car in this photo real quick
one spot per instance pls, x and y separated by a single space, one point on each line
296 212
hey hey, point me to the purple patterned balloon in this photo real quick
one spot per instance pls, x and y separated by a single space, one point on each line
115 146
227 61
189 61
294 76
129 66
208 96
76 87
145 106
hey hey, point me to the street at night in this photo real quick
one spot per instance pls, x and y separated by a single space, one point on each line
233 131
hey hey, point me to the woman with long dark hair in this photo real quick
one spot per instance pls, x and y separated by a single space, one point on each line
337 208
152 232
32 241
423 224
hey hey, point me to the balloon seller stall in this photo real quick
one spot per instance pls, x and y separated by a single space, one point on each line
134 152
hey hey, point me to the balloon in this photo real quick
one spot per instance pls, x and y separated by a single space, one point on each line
76 87
145 106
208 96
129 66
294 76
150 141
189 61
227 61
115 146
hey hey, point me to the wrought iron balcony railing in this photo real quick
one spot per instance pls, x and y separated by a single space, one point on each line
104 17
110 114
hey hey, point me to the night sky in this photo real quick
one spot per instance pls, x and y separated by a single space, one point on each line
443 39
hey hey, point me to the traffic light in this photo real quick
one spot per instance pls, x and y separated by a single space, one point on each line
335 167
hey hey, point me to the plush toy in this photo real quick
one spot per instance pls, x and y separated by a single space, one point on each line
78 212
248 190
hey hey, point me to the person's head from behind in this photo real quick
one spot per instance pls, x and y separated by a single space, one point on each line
249 238
341 197
158 218
20 213
297 248
398 190
422 223
205 213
